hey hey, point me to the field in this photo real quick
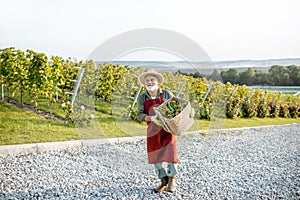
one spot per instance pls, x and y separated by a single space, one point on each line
20 126
35 94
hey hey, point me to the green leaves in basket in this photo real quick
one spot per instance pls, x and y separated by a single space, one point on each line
171 109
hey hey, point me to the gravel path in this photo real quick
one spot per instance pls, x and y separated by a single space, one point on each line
255 163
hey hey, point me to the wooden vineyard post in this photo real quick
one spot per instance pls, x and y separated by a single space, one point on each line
180 89
249 97
274 98
74 93
203 99
265 96
283 100
231 94
134 100
293 101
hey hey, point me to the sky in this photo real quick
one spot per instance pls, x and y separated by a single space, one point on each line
226 30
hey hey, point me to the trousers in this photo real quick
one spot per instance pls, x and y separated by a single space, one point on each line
165 169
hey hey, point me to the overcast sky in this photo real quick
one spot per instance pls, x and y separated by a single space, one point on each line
225 29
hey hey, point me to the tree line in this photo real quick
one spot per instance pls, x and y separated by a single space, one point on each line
276 76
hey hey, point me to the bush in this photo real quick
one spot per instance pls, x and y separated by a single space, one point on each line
294 111
133 114
204 112
263 109
273 110
284 111
248 109
233 110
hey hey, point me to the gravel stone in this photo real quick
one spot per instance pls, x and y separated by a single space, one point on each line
250 163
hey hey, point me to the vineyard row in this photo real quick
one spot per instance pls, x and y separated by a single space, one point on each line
38 75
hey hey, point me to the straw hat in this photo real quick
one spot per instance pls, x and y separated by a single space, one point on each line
153 73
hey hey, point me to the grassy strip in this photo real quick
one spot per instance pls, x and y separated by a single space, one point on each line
241 123
43 104
231 123
18 126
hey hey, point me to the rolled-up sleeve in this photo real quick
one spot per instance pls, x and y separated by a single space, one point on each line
141 114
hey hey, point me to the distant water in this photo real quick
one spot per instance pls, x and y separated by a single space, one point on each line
208 67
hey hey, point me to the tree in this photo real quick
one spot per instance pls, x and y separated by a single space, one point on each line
56 78
109 75
38 75
231 75
7 63
215 76
278 75
20 78
247 77
293 71
69 72
260 78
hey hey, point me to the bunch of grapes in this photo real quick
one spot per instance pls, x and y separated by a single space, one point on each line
172 108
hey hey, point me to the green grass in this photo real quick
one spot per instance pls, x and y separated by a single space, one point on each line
230 123
241 122
43 104
18 126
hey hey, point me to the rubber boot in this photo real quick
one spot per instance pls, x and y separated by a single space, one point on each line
163 186
171 184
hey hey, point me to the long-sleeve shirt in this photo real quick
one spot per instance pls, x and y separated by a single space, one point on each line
141 114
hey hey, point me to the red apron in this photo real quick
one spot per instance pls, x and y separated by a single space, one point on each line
161 145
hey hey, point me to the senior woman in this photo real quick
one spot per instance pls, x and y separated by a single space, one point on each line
161 145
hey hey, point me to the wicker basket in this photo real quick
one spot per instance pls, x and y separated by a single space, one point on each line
181 122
